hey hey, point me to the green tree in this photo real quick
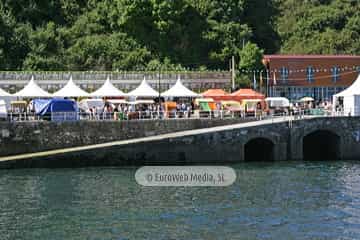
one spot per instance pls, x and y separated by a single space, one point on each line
107 52
13 41
226 31
46 49
35 12
250 60
319 27
165 65
82 34
261 17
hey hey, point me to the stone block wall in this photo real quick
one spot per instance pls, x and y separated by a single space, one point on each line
90 81
214 147
28 137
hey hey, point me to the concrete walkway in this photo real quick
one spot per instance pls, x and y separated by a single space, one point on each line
152 138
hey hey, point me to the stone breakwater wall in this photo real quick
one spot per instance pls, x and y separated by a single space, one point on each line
28 137
321 138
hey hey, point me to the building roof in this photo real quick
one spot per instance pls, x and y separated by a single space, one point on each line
310 56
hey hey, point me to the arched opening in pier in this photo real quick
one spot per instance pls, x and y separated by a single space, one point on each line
321 145
259 149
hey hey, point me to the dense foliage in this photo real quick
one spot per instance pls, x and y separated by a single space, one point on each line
170 34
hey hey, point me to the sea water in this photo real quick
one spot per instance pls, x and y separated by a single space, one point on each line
291 200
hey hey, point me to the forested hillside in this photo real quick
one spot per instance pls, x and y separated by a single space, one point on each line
173 34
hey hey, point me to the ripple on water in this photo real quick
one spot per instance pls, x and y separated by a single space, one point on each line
292 200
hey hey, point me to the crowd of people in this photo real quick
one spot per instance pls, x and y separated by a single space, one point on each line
179 109
132 111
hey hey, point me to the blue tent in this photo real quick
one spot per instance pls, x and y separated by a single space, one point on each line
39 104
59 109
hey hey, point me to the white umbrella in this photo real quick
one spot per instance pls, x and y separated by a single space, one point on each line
70 90
32 90
143 90
306 99
179 90
107 90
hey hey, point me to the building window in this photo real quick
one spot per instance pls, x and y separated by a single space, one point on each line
310 74
284 72
331 91
335 74
358 69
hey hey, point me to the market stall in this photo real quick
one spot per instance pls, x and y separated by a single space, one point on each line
7 97
205 104
183 98
18 106
251 106
169 109
56 109
277 105
348 101
3 110
86 104
232 107
207 107
91 108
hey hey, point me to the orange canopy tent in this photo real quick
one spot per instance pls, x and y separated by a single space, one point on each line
216 94
246 93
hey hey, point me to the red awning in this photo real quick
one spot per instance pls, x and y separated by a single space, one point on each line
216 94
247 93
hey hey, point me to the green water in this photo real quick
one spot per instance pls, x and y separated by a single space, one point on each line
314 200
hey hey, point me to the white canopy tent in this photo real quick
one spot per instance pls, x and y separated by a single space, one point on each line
277 102
108 90
4 93
7 97
86 104
70 90
350 98
143 90
3 110
179 90
32 90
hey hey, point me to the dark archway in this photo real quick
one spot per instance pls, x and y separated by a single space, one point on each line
321 145
259 149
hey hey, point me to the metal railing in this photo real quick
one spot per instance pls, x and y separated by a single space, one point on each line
155 115
24 116
136 115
